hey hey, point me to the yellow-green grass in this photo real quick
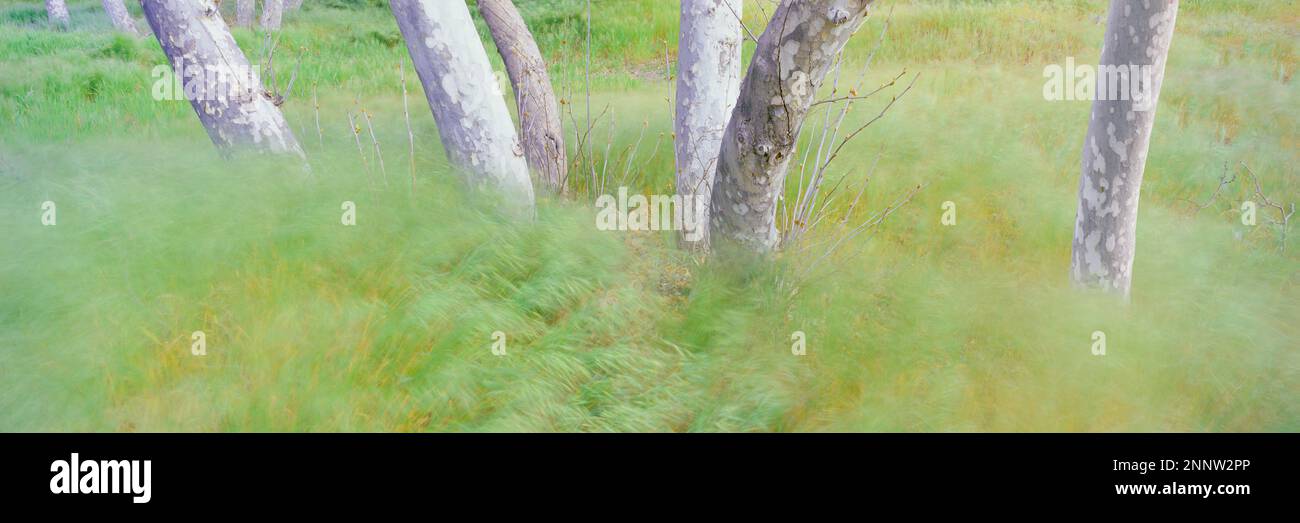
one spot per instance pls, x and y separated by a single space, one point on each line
314 326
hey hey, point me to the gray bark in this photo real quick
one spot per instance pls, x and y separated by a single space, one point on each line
120 17
708 82
244 10
539 114
272 11
791 60
473 121
58 12
224 90
1138 32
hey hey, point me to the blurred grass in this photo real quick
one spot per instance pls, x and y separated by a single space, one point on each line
313 326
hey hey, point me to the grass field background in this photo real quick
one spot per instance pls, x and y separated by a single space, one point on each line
386 326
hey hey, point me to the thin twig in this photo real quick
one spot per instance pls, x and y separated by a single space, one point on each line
591 155
378 154
860 97
865 181
628 167
320 135
870 223
406 111
1282 211
752 38
873 120
356 135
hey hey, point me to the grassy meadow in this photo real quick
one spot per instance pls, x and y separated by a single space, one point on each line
387 325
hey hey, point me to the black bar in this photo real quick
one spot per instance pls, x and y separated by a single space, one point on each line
448 470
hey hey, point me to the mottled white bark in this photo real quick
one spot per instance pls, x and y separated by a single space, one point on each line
224 90
1138 33
791 60
244 10
272 11
58 13
539 114
120 17
466 101
708 82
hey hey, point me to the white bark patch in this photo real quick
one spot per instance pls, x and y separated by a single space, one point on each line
1119 148
1092 255
788 51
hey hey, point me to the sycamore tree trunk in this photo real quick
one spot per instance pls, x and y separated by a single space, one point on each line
244 10
224 90
708 82
120 17
466 101
539 114
272 11
58 12
791 60
1137 39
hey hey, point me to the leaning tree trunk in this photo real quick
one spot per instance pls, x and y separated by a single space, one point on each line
120 17
224 90
789 64
272 11
539 114
1138 33
244 10
463 95
58 13
708 81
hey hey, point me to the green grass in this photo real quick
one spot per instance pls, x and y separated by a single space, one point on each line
314 326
